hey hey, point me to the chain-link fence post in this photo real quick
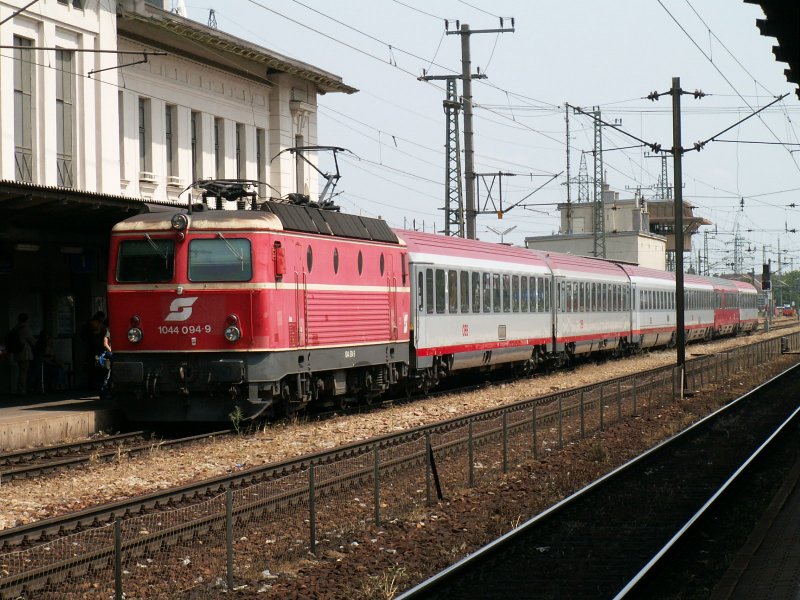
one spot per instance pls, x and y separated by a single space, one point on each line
377 481
428 454
471 457
229 536
118 595
601 402
505 442
312 511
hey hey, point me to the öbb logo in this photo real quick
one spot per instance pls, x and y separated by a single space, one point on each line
180 309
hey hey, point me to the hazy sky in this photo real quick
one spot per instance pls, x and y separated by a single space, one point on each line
609 53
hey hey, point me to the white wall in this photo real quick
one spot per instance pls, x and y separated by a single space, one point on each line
215 95
106 106
52 24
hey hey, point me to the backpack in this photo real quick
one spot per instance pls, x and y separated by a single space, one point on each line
13 341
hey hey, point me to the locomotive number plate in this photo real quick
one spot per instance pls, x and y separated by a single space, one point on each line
183 329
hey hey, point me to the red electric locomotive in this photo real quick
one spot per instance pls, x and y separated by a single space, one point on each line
220 313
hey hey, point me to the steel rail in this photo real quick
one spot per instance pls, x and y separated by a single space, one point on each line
44 530
438 583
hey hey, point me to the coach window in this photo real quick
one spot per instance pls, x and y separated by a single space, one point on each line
383 263
309 258
524 293
542 293
574 305
515 293
506 293
360 262
464 275
429 291
452 291
220 259
547 296
440 291
487 292
336 269
496 293
476 292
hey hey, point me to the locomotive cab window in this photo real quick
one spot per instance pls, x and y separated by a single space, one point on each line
146 261
220 259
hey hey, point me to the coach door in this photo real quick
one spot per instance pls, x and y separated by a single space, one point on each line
391 282
558 302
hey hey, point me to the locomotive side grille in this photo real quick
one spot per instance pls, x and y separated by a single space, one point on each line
336 317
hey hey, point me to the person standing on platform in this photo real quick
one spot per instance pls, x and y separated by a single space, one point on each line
23 354
105 362
92 334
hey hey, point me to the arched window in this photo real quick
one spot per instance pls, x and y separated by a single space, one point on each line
360 262
335 260
309 258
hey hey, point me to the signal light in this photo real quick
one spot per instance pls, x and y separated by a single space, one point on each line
766 283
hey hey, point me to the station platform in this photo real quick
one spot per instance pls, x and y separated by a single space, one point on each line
42 420
768 566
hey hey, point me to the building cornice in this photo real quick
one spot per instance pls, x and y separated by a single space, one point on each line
158 28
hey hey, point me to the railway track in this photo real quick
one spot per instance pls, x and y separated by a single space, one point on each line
47 529
51 459
490 426
618 533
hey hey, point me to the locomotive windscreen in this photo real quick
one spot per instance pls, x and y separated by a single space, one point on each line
326 222
146 261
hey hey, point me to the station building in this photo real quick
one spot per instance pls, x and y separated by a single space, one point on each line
110 110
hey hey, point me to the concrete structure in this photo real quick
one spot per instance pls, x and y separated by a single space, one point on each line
626 246
628 236
88 138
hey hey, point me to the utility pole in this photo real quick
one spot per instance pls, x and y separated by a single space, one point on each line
677 156
599 208
453 197
663 184
705 252
469 148
569 180
583 180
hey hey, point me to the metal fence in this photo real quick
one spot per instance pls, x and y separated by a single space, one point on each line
244 536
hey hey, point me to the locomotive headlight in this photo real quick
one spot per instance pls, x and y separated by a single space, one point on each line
134 335
232 333
179 222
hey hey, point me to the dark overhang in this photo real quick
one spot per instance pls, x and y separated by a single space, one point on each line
31 211
782 21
